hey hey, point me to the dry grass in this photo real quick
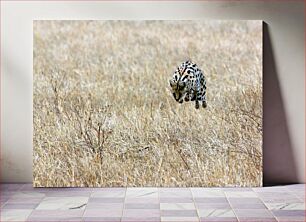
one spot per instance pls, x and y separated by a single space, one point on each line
104 114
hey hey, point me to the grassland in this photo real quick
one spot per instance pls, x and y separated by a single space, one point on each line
104 114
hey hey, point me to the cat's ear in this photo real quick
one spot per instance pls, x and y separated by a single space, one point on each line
171 82
182 84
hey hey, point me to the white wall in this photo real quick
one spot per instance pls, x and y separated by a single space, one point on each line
284 105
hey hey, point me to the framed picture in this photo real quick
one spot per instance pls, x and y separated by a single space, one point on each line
147 103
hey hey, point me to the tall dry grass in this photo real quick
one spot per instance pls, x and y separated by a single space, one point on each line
104 114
